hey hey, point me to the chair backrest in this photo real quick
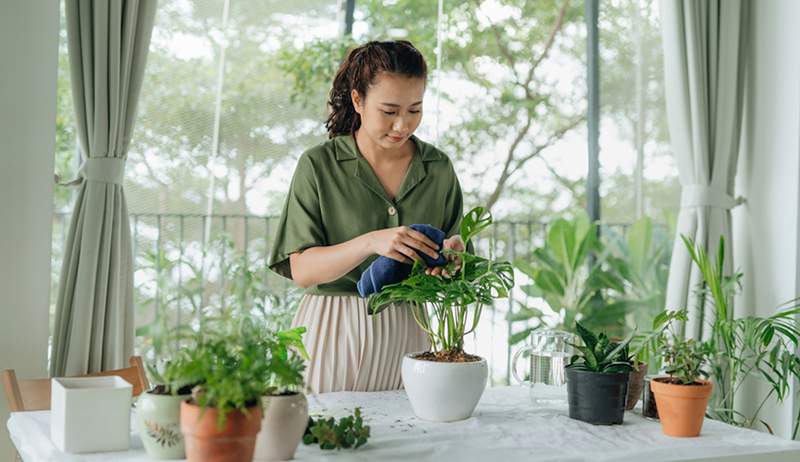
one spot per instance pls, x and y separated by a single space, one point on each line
34 394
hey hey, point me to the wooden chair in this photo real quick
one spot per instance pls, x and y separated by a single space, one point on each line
34 394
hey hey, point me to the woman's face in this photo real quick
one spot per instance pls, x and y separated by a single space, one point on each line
392 109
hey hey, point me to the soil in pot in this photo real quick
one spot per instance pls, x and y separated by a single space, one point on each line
635 384
447 357
681 408
597 398
206 442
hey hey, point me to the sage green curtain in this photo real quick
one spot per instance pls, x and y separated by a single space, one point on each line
704 55
108 43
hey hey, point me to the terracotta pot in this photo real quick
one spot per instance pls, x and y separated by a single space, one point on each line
635 384
282 428
681 408
206 442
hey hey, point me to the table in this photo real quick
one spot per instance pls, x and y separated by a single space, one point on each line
506 426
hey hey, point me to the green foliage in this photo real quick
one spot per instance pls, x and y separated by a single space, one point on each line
641 259
477 283
648 346
684 359
570 273
235 362
348 432
763 348
243 291
599 354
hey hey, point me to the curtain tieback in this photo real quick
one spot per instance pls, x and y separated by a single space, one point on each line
705 196
101 169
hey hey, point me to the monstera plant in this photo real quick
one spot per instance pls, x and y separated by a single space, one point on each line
448 309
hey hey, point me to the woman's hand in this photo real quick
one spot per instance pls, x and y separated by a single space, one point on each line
452 243
400 243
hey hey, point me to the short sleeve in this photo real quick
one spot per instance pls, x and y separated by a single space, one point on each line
300 226
454 208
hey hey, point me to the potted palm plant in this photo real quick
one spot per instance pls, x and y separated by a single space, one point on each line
285 409
446 383
597 378
231 366
682 396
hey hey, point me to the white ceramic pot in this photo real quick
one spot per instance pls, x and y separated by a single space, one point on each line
90 414
159 419
443 392
282 427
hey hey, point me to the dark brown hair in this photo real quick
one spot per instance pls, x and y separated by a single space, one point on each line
359 70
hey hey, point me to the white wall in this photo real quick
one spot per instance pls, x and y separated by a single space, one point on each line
28 64
766 235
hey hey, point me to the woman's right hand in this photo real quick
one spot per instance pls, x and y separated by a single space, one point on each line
399 244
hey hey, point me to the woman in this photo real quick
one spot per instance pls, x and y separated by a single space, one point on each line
352 199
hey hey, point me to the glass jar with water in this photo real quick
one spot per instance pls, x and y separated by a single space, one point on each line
548 353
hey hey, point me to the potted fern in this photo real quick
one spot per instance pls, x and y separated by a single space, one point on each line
285 408
597 378
446 383
682 396
231 366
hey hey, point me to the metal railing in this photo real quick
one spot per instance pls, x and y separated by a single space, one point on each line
181 268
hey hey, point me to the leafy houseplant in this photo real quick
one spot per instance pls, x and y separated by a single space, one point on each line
447 310
645 350
285 408
571 274
682 397
233 366
749 347
597 378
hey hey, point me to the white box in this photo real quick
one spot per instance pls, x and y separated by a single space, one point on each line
90 414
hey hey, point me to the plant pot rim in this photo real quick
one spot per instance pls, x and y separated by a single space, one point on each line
610 374
464 363
698 383
292 394
189 402
169 395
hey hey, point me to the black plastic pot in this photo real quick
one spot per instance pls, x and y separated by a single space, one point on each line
597 398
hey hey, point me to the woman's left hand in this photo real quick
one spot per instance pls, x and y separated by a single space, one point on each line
452 243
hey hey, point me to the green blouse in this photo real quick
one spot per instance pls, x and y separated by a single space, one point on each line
335 196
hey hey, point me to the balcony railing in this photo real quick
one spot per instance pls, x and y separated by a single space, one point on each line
185 264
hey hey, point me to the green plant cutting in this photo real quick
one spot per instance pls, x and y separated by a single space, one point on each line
348 432
448 309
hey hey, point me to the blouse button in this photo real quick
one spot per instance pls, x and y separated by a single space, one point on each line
392 211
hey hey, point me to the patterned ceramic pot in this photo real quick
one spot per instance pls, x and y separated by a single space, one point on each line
158 420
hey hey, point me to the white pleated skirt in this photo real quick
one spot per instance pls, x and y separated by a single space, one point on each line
351 350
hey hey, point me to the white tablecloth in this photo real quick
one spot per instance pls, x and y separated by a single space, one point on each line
506 426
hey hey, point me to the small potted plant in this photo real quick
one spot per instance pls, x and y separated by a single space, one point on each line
648 346
682 396
446 383
285 408
158 410
597 378
231 366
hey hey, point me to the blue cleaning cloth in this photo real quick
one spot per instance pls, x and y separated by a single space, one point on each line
384 270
